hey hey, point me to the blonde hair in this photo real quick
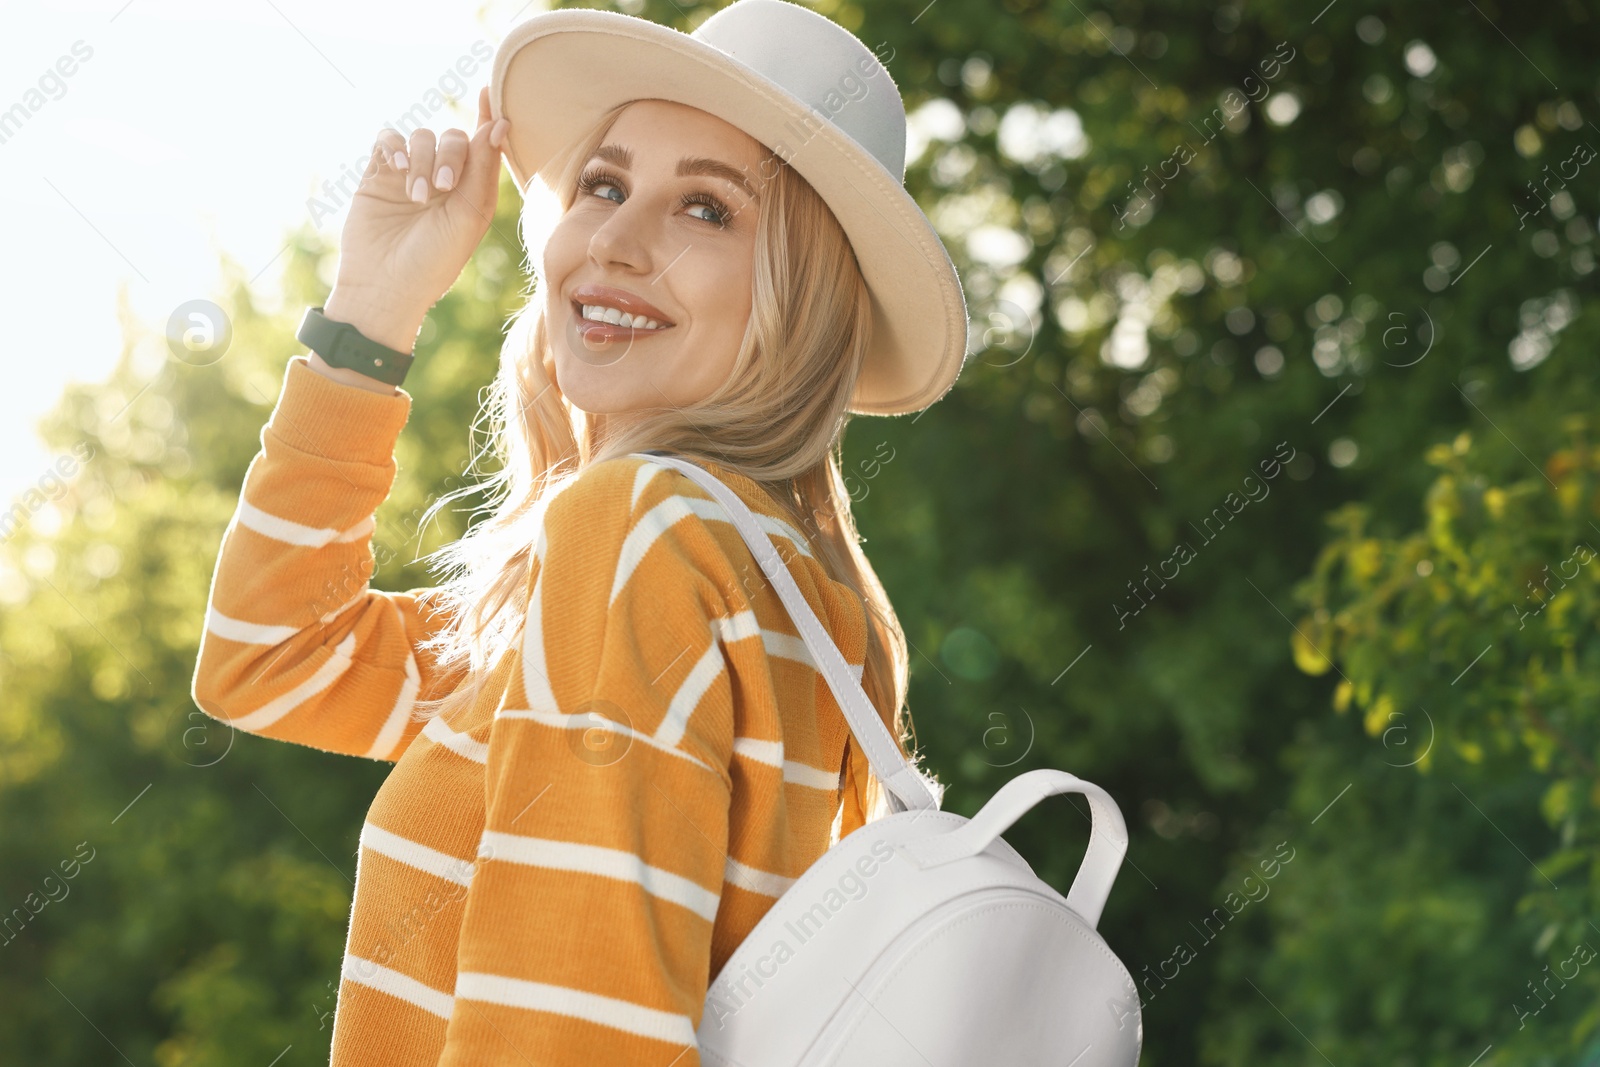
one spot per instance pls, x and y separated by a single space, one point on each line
779 419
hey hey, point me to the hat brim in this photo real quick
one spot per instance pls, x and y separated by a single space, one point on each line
559 71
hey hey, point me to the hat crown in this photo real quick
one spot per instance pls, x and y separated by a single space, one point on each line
823 65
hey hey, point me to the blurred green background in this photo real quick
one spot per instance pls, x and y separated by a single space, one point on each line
1268 501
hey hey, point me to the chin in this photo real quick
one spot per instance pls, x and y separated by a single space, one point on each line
588 391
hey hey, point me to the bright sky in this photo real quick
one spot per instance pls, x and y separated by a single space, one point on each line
187 130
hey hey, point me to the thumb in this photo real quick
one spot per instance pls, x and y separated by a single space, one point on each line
486 115
480 182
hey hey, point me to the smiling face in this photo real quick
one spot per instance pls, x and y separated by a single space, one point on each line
647 275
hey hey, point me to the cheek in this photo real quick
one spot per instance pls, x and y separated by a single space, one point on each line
562 251
727 291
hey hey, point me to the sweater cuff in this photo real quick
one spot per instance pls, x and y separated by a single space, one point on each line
316 414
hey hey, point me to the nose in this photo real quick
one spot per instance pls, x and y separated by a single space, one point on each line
623 240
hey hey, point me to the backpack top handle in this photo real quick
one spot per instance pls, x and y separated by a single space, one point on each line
1108 835
905 785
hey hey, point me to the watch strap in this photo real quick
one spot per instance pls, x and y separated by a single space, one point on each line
342 345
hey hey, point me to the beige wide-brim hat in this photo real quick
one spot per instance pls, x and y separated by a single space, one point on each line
807 89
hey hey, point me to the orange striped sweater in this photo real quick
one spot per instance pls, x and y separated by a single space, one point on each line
524 896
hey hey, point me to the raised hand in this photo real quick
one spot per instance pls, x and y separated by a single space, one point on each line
421 209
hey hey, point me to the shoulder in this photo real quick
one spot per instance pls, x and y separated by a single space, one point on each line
638 518
636 512
616 495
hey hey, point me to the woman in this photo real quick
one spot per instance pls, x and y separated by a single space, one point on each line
612 752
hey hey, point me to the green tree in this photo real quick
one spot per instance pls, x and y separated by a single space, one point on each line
1470 645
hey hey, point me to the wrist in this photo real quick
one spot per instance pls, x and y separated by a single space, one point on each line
346 376
392 325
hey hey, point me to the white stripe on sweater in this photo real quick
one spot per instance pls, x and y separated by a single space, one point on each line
709 507
246 633
707 669
641 479
603 862
768 752
277 708
607 1011
461 744
415 854
644 533
394 726
386 980
793 646
294 533
755 880
594 721
738 626
660 518
257 633
713 511
359 598
535 667
531 657
795 772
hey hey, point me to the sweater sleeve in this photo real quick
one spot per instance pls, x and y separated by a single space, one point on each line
296 646
587 931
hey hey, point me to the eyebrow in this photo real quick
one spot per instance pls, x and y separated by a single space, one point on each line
687 166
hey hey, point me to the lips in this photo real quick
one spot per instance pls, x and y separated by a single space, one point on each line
623 301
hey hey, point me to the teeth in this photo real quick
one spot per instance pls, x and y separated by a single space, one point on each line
601 313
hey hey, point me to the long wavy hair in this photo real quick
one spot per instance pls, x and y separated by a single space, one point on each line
779 419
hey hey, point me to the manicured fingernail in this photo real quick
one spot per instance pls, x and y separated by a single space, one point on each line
419 190
400 160
444 179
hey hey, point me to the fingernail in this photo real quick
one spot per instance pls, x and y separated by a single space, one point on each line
400 160
497 135
419 190
444 179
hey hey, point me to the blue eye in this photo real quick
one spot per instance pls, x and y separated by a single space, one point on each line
720 215
595 180
599 179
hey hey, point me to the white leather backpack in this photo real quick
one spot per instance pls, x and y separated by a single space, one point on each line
922 938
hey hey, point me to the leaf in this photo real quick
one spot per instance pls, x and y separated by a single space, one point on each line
1379 714
1307 656
1556 803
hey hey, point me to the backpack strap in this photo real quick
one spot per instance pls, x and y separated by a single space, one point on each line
906 787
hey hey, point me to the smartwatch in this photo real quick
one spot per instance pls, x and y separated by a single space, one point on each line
342 345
